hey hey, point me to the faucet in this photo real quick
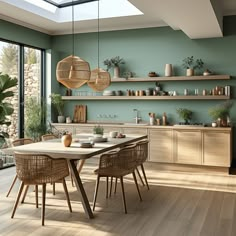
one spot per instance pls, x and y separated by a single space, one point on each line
136 118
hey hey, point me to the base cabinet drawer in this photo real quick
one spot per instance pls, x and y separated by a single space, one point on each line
161 145
217 149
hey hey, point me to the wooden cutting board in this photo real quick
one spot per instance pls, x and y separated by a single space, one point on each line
80 114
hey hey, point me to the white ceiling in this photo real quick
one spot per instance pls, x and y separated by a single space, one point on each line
196 18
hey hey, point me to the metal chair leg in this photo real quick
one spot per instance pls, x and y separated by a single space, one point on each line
123 194
144 175
96 192
17 199
136 183
13 183
67 194
43 203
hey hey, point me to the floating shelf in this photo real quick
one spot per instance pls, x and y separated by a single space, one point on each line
188 97
173 78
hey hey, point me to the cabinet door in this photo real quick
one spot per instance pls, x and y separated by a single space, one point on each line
216 148
161 145
188 147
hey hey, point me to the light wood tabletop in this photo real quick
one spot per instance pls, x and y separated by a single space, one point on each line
56 149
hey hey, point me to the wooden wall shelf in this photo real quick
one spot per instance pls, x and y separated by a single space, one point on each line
173 78
189 97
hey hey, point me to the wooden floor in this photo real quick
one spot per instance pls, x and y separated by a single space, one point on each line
177 204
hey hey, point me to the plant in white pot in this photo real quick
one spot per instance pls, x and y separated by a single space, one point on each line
58 103
115 63
98 131
190 64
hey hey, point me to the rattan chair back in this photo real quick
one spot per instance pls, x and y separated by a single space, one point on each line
141 151
22 141
39 169
46 137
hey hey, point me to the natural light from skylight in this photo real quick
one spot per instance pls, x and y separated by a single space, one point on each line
86 11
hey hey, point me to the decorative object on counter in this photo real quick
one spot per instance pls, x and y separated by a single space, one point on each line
214 124
115 63
68 120
128 74
152 74
168 70
151 118
113 134
73 71
221 113
164 119
185 92
148 92
66 139
207 72
80 114
58 103
227 90
118 93
158 87
158 121
204 92
98 131
196 92
184 114
190 64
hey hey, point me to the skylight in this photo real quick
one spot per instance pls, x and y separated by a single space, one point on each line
85 11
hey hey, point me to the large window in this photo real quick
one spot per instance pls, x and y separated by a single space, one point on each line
26 64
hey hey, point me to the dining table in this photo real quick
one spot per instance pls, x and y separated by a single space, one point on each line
75 152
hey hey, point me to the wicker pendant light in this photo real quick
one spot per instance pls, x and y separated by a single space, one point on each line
73 71
99 79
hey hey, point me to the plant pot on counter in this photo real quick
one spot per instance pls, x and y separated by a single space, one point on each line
190 72
61 119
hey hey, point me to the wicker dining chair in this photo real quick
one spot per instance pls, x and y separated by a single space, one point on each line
117 164
39 169
18 142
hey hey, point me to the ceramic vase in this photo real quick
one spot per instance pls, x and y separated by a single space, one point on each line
190 72
116 72
61 119
66 139
168 70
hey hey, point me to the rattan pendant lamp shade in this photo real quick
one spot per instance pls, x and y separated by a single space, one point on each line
73 71
99 79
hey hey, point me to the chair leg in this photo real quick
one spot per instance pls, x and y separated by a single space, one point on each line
144 175
107 182
43 202
136 183
140 177
36 196
17 199
25 193
67 194
115 186
72 180
123 193
81 164
111 186
96 192
13 183
54 188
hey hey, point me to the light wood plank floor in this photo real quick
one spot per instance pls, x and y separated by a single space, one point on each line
177 204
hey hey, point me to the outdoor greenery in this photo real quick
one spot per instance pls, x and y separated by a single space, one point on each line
6 109
221 111
58 103
191 63
184 114
35 114
113 62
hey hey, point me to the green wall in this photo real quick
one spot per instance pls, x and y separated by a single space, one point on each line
147 50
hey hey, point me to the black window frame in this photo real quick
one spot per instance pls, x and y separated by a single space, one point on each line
68 4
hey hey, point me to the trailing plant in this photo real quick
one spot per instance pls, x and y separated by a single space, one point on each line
35 122
58 103
6 109
221 111
184 114
191 63
113 62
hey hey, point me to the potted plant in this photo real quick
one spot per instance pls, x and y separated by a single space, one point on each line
184 114
115 63
191 64
98 131
35 122
58 103
6 109
220 113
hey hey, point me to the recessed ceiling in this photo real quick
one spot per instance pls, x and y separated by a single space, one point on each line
197 19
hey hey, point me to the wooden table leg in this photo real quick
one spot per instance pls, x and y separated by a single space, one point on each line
80 188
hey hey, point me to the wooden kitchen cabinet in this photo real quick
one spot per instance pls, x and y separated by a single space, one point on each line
188 147
161 145
217 148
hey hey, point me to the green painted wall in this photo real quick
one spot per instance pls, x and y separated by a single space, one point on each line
147 50
20 34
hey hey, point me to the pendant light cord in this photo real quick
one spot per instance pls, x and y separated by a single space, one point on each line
73 29
98 33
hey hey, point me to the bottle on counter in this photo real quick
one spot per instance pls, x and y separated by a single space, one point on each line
164 119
